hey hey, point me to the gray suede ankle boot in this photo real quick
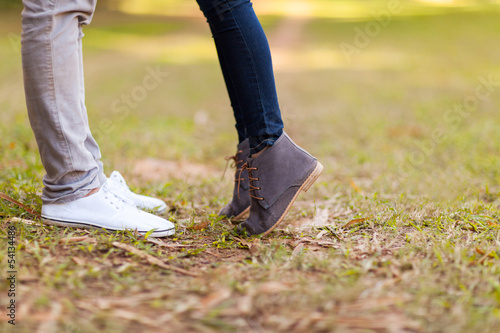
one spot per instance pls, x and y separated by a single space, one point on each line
240 205
276 178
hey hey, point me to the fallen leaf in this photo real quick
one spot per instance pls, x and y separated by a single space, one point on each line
253 246
215 298
46 260
244 304
254 249
368 304
212 253
134 316
242 241
50 320
78 261
236 258
271 288
200 226
354 186
26 306
321 234
355 221
29 278
490 254
333 233
320 219
297 249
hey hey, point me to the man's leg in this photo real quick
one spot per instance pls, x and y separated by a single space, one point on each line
53 76
55 97
90 142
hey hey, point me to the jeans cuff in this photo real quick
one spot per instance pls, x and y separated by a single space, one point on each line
260 143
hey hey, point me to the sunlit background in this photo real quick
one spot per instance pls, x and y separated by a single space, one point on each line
399 100
362 84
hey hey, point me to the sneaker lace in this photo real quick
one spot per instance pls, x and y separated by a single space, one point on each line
115 194
251 179
118 180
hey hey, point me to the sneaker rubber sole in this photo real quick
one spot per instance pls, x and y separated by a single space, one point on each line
78 224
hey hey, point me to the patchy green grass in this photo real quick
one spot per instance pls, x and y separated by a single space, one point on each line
400 234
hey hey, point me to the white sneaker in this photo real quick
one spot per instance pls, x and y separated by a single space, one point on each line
106 210
119 186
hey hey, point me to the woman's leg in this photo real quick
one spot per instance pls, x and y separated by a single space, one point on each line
275 177
245 59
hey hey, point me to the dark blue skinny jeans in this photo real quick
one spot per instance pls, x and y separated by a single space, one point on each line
245 60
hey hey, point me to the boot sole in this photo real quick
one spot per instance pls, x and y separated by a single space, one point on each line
60 223
305 187
242 214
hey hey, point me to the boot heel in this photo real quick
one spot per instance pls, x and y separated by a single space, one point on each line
312 178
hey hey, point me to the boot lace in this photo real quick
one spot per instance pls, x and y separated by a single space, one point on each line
251 180
234 164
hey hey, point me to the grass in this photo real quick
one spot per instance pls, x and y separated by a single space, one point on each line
390 239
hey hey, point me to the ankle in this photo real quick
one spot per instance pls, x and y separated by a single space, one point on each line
93 191
257 154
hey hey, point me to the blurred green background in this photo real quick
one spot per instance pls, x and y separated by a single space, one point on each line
366 114
381 99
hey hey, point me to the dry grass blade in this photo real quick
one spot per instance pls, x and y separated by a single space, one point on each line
20 220
15 202
324 243
297 249
215 298
78 239
50 321
371 304
271 288
242 241
152 260
133 316
79 261
167 245
387 322
217 255
105 303
354 186
321 234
